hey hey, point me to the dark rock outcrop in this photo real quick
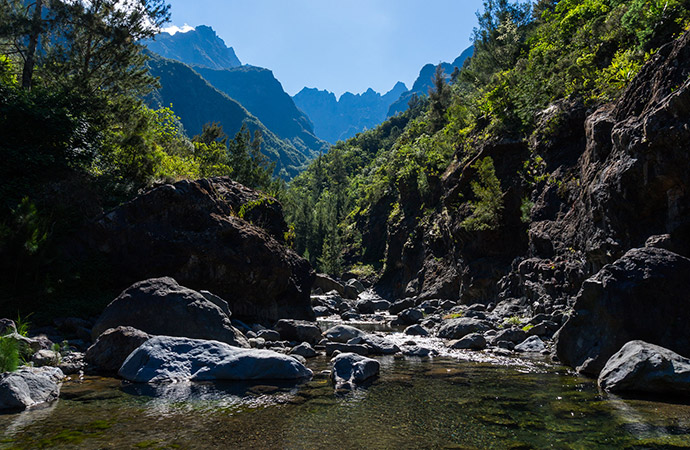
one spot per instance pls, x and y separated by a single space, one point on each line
191 231
160 306
642 296
299 331
113 347
643 367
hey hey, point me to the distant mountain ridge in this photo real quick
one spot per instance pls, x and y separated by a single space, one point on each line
340 119
224 84
423 82
198 47
197 102
261 94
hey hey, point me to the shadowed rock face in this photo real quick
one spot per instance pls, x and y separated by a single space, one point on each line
160 306
642 296
610 179
191 231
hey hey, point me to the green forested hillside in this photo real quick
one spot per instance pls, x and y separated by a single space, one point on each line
78 138
526 57
198 103
262 94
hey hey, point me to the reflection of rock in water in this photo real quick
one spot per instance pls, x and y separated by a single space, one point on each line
29 417
168 398
637 423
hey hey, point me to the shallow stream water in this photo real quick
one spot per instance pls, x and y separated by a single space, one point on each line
456 400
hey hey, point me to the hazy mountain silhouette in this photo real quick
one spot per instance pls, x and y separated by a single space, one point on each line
339 119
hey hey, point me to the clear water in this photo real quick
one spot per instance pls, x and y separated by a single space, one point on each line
460 400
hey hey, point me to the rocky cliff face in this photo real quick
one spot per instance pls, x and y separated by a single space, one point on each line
211 234
600 181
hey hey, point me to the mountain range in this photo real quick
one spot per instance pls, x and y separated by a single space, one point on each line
204 82
340 119
424 81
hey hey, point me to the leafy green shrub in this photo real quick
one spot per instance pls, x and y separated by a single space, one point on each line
512 321
486 210
527 327
9 354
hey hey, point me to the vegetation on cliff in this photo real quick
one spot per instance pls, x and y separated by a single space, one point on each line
77 137
527 56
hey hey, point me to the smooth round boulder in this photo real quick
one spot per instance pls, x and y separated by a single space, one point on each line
176 359
473 341
461 327
532 344
298 331
112 348
350 369
304 349
343 333
642 367
160 306
416 330
410 316
29 387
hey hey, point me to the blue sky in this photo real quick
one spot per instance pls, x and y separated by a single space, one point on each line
338 45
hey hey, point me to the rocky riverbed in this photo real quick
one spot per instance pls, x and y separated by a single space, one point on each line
385 377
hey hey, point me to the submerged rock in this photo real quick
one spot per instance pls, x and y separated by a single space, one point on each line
29 387
160 306
642 367
168 359
349 369
113 347
642 296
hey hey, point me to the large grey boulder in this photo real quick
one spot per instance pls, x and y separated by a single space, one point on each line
378 345
112 347
304 349
29 387
350 369
343 333
532 344
473 341
642 296
642 367
160 306
299 331
461 327
326 284
169 359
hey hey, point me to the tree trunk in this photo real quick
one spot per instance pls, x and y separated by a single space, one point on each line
30 59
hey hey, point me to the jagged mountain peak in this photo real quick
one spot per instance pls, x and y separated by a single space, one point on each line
200 47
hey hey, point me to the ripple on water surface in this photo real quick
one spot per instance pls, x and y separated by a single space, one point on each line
453 401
